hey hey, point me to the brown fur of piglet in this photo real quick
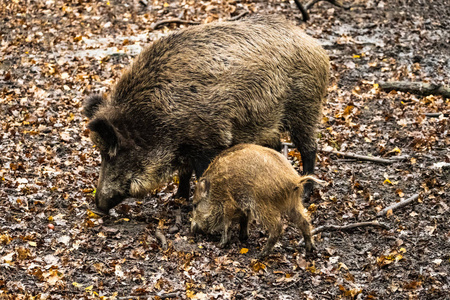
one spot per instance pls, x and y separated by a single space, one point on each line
249 182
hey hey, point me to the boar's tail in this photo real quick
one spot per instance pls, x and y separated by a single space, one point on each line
304 179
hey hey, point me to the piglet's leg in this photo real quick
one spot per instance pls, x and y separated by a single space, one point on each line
302 223
225 233
275 229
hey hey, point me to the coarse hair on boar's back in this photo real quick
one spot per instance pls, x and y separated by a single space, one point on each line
250 182
201 90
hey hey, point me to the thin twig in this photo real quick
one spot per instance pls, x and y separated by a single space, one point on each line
347 227
360 157
170 21
160 296
239 16
436 115
162 238
338 3
398 205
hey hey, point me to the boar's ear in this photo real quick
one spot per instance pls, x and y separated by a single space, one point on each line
204 186
91 105
104 136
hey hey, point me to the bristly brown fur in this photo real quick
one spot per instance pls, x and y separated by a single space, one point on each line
203 89
250 181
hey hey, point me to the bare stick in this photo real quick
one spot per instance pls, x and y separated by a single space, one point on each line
398 205
360 157
170 21
334 2
347 227
239 16
302 9
161 238
175 228
436 115
419 88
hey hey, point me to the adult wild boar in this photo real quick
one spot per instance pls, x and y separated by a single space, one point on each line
200 90
249 182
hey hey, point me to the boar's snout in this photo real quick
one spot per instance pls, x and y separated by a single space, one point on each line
106 201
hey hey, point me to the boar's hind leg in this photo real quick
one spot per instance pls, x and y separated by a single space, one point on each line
302 223
184 187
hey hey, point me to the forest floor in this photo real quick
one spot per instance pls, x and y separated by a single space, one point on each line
53 246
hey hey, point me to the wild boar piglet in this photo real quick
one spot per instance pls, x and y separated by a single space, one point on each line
249 182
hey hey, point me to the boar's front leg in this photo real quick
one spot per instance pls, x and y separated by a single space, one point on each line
184 186
243 227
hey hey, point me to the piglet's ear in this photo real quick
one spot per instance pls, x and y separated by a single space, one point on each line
92 104
204 186
104 136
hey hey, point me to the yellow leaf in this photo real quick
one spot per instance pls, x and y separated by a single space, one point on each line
257 266
190 294
33 244
387 181
244 250
356 56
166 4
92 215
389 213
402 250
376 85
76 284
89 288
50 218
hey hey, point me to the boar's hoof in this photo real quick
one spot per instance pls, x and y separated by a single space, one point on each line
223 244
311 253
307 191
175 228
262 255
243 236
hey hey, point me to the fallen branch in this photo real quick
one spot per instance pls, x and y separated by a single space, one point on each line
175 228
347 227
160 236
436 115
419 88
170 21
239 16
397 205
338 3
360 157
160 296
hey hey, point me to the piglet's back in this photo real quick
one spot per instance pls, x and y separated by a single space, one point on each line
253 171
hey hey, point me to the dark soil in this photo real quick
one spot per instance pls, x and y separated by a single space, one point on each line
54 246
